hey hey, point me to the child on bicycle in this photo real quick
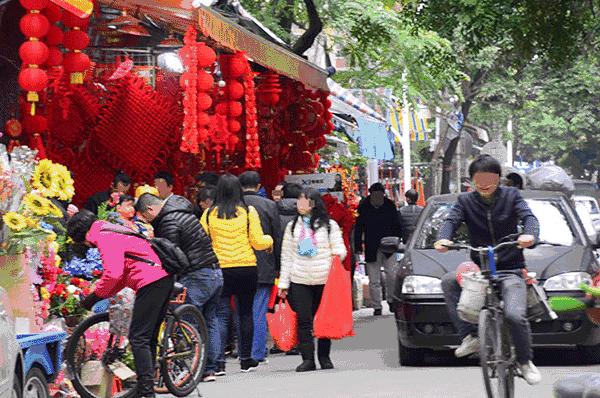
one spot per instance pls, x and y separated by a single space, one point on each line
491 213
152 284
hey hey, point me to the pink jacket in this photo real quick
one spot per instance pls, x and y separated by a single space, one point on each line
121 272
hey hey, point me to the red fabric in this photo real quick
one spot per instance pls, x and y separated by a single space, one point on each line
345 218
334 316
283 326
120 272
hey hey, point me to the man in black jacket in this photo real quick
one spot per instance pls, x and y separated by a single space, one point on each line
121 185
174 220
287 205
492 213
409 214
267 263
377 218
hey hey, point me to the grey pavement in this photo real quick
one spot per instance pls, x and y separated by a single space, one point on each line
367 366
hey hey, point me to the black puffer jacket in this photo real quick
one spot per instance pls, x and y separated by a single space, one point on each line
409 215
287 211
177 222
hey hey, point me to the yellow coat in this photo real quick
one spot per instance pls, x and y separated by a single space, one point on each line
234 239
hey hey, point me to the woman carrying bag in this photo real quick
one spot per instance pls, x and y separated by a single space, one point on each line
309 243
235 231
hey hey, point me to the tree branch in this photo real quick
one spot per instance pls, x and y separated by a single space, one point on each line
315 26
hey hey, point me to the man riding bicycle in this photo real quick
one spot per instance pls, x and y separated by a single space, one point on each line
492 213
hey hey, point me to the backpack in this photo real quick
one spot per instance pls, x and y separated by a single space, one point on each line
172 258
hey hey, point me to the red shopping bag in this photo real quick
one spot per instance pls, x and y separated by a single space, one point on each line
334 316
283 326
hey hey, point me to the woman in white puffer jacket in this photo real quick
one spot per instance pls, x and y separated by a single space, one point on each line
309 243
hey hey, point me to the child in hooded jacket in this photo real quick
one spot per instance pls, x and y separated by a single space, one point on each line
151 283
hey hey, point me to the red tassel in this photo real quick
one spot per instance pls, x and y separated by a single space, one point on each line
13 144
38 144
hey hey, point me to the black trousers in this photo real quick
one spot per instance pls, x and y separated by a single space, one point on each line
148 313
305 300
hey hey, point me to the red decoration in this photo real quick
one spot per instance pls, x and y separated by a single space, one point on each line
33 52
34 4
206 55
55 57
71 21
33 79
234 126
269 89
234 66
55 36
34 24
203 119
13 128
189 82
204 101
53 12
76 40
35 124
234 90
205 81
253 159
76 62
37 144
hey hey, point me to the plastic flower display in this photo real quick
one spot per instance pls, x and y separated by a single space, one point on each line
53 180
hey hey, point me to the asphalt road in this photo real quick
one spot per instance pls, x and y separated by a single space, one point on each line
367 366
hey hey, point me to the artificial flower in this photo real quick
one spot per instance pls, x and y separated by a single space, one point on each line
37 204
55 211
64 183
44 178
31 223
15 221
45 293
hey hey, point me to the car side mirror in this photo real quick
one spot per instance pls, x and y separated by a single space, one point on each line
401 248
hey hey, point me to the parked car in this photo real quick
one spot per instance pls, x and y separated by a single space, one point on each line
561 265
28 362
586 220
591 206
587 188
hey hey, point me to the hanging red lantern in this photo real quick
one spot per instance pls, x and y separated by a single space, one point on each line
55 36
205 81
32 80
34 24
34 4
204 101
76 40
53 12
33 52
203 118
206 55
76 63
233 66
234 126
235 108
36 124
72 21
234 90
55 57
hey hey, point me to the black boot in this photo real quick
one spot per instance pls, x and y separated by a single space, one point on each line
308 358
145 389
323 351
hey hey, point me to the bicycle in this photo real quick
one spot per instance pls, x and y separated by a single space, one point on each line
497 354
101 363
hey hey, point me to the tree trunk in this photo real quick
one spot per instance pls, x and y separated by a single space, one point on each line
451 151
286 17
315 26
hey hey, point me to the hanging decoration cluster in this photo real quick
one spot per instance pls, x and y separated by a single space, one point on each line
233 68
205 83
55 35
76 62
253 160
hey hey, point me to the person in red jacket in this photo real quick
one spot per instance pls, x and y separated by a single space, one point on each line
151 283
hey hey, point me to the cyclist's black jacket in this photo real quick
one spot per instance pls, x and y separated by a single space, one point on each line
176 222
489 223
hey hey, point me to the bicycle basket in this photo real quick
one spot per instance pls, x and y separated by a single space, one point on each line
472 297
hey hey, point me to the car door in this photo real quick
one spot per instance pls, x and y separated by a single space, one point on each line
8 351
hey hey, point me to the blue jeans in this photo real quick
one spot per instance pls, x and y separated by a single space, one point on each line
259 309
204 291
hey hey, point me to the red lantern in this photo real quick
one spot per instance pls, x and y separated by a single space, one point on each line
55 57
71 21
55 36
235 108
234 90
204 101
13 127
206 55
34 4
35 124
233 141
233 66
33 52
234 126
203 118
53 12
76 39
205 81
32 80
34 24
76 63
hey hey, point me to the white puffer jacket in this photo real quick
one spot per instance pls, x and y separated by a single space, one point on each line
309 270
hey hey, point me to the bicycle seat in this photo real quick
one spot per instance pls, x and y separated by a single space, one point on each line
178 288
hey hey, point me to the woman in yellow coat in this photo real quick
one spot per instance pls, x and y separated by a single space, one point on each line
236 232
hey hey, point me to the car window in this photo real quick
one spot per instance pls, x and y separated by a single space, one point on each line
554 225
428 234
590 205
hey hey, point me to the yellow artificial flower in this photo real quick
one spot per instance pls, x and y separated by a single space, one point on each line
64 183
54 211
54 246
44 178
37 204
51 237
15 221
58 260
31 223
44 294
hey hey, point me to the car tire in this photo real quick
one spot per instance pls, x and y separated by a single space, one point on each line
16 391
36 380
590 354
410 356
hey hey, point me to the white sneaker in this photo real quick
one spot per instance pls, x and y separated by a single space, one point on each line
530 373
469 345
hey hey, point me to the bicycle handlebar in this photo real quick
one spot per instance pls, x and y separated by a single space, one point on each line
461 246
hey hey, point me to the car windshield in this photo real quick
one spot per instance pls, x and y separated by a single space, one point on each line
590 205
554 226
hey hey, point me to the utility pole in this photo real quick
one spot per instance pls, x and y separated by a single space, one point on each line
405 136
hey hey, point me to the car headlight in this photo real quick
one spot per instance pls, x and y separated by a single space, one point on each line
568 281
417 284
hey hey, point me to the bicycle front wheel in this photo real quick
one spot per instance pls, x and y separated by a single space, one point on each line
495 354
183 350
90 351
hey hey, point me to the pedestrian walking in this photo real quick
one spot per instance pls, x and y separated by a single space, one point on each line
174 220
287 205
377 218
409 214
267 263
236 231
309 243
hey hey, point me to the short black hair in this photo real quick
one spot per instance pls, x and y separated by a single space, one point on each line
412 196
206 193
292 190
249 179
145 201
208 178
126 198
121 177
79 225
165 175
377 187
485 164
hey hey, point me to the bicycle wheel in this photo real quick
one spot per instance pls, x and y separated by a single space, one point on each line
183 350
498 373
89 351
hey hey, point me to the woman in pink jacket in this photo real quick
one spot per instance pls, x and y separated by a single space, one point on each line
152 284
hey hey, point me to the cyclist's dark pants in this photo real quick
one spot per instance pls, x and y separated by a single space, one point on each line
148 313
514 294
